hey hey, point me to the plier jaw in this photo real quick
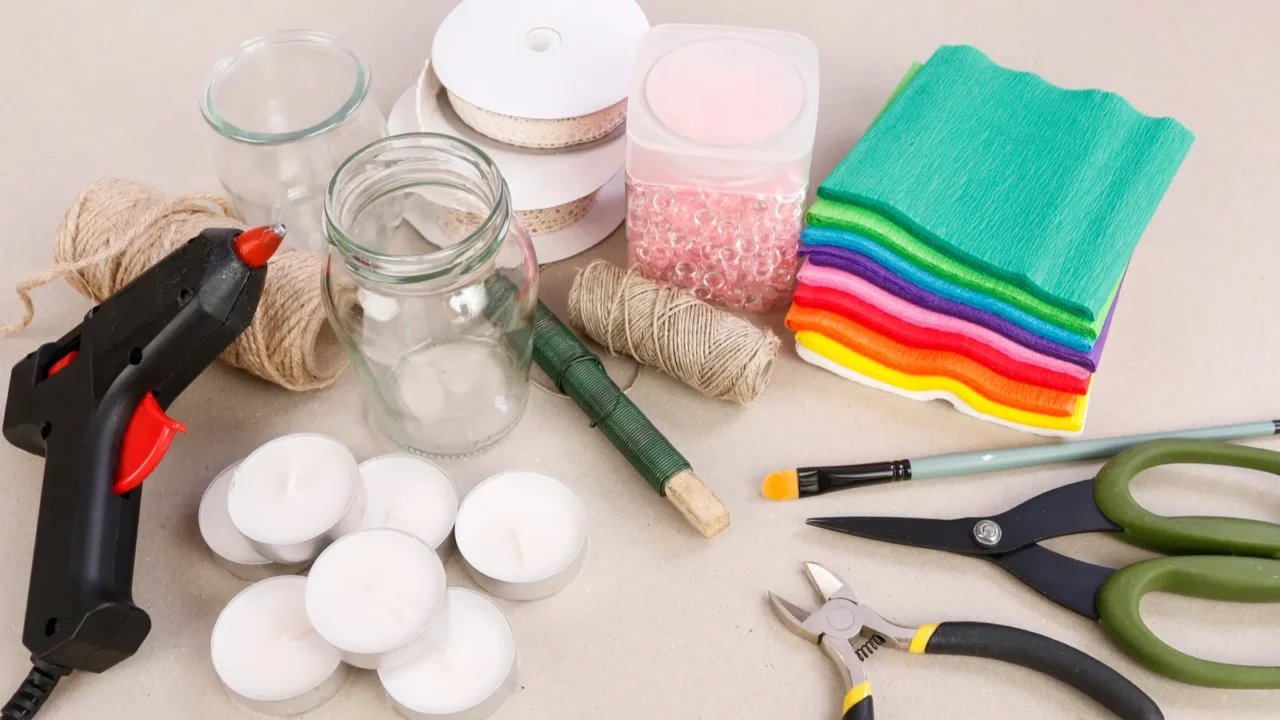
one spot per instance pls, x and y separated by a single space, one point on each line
838 622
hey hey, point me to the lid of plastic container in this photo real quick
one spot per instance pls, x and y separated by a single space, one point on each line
545 60
737 94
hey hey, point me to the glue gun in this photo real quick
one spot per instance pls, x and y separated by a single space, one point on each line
93 405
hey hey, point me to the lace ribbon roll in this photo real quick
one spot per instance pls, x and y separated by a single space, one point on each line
534 222
439 110
540 134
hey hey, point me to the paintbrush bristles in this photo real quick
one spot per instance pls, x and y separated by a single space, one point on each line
695 501
781 485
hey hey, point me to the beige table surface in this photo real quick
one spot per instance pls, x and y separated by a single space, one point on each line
663 624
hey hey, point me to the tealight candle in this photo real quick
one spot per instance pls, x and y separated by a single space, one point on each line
296 494
379 597
406 492
469 675
522 535
267 654
231 548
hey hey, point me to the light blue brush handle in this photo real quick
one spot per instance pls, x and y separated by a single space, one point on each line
970 463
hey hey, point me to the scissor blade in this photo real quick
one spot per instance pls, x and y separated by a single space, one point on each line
948 535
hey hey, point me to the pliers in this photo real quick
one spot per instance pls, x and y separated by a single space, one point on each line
850 632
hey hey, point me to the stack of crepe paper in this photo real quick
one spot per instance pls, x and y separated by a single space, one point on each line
972 246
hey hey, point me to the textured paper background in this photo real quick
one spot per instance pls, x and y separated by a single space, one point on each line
663 624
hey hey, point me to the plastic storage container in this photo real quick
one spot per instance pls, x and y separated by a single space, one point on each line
720 134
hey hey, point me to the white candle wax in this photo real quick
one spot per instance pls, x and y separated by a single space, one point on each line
468 675
295 494
408 493
522 534
378 596
267 654
227 543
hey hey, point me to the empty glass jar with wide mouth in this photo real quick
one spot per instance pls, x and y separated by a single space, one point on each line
288 109
431 285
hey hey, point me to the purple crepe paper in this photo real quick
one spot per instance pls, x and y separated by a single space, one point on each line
864 267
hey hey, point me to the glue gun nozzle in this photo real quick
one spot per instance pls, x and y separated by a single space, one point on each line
256 246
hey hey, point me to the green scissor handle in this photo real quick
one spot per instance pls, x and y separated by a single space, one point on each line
1185 535
1243 579
1213 574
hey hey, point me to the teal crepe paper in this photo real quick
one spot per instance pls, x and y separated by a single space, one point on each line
1043 187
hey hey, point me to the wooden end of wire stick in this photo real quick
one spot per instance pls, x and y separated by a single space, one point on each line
695 501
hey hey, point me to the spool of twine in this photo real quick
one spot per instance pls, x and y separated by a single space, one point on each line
117 228
716 353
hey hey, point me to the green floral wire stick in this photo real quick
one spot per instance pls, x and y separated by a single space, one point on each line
578 373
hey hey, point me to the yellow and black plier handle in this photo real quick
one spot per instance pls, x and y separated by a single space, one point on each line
850 633
1020 647
857 703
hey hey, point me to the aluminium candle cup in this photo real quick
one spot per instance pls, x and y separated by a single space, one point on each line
466 678
229 547
295 495
522 535
268 657
379 597
410 493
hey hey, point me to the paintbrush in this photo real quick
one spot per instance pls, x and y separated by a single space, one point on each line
807 481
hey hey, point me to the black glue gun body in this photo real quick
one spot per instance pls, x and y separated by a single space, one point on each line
93 405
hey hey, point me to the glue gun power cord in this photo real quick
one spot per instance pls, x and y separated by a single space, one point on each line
30 697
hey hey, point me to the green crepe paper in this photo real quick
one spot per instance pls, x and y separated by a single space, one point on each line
902 85
1044 189
864 222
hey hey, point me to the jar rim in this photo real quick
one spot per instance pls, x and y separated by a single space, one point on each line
492 228
231 131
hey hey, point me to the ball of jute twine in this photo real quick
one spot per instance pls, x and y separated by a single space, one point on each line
117 228
717 353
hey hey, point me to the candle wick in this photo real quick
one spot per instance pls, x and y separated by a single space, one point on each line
394 520
298 635
291 488
393 602
519 538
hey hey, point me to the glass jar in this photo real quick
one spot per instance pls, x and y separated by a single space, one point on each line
431 285
288 108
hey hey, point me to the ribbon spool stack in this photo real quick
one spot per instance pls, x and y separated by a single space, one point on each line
541 88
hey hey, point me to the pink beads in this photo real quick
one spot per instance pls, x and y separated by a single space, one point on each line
732 249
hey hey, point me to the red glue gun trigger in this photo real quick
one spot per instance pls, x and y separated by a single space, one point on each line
146 440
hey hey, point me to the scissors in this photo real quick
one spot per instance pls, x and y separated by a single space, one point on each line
1218 558
851 632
